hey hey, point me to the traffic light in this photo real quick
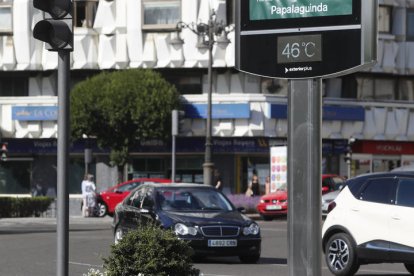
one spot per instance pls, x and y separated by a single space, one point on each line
56 28
177 121
3 152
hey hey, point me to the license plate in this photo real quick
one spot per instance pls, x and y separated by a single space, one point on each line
273 207
222 243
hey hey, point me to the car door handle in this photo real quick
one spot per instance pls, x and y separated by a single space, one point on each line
396 217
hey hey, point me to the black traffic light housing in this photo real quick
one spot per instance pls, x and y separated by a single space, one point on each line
3 151
177 121
57 28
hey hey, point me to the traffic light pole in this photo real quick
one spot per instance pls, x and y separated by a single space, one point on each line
62 165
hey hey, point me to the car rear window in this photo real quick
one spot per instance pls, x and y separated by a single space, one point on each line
405 193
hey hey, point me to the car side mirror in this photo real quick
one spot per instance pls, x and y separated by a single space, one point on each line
241 210
117 191
147 210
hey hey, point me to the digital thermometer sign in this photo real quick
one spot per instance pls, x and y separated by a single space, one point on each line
299 48
305 38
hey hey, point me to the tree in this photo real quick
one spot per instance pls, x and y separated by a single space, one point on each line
150 250
122 108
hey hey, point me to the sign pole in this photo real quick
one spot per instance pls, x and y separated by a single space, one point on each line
304 177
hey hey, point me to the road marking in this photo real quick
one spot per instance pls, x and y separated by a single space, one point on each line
272 229
83 264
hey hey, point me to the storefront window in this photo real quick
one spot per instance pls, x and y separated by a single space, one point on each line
77 172
360 166
15 177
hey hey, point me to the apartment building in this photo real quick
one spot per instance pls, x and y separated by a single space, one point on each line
375 107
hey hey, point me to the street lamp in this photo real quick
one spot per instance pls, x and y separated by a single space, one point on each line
348 156
206 37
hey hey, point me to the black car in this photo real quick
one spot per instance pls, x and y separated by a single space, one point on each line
197 213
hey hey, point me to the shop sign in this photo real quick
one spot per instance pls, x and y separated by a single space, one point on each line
35 113
384 147
329 113
218 111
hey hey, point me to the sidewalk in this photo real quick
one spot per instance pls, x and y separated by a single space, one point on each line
107 220
4 222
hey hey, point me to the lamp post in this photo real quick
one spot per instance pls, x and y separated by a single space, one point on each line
206 38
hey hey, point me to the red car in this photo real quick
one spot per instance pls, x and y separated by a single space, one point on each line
275 204
111 197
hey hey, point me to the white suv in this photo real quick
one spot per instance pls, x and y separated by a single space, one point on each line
372 221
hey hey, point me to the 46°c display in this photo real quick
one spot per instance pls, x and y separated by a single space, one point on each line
299 48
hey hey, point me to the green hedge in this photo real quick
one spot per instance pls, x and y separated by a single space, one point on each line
11 207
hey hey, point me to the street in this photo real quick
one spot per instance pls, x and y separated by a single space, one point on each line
28 247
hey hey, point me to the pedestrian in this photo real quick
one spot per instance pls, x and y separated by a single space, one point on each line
267 185
88 195
253 188
218 181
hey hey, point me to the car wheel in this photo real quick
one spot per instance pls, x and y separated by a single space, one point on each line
410 268
340 255
267 218
118 235
249 259
102 209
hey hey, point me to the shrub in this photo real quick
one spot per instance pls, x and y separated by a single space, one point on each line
247 202
24 207
150 250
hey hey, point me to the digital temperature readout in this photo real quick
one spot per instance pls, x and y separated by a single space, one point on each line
299 48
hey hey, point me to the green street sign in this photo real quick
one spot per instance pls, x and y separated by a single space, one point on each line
282 9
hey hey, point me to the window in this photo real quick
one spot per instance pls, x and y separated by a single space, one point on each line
136 199
148 202
276 87
379 190
84 12
6 27
15 177
13 86
376 88
405 193
230 10
186 81
160 14
384 19
410 25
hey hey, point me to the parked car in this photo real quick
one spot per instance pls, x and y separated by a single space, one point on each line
199 214
114 195
371 221
327 199
331 182
275 204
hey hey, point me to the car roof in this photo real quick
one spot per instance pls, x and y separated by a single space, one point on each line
180 185
144 179
355 182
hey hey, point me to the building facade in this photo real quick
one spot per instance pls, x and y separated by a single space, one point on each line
374 107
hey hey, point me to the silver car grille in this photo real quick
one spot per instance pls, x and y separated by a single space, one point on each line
220 231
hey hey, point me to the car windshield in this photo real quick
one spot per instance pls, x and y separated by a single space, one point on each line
192 199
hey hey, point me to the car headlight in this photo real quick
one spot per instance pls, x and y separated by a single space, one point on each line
252 229
183 230
262 201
